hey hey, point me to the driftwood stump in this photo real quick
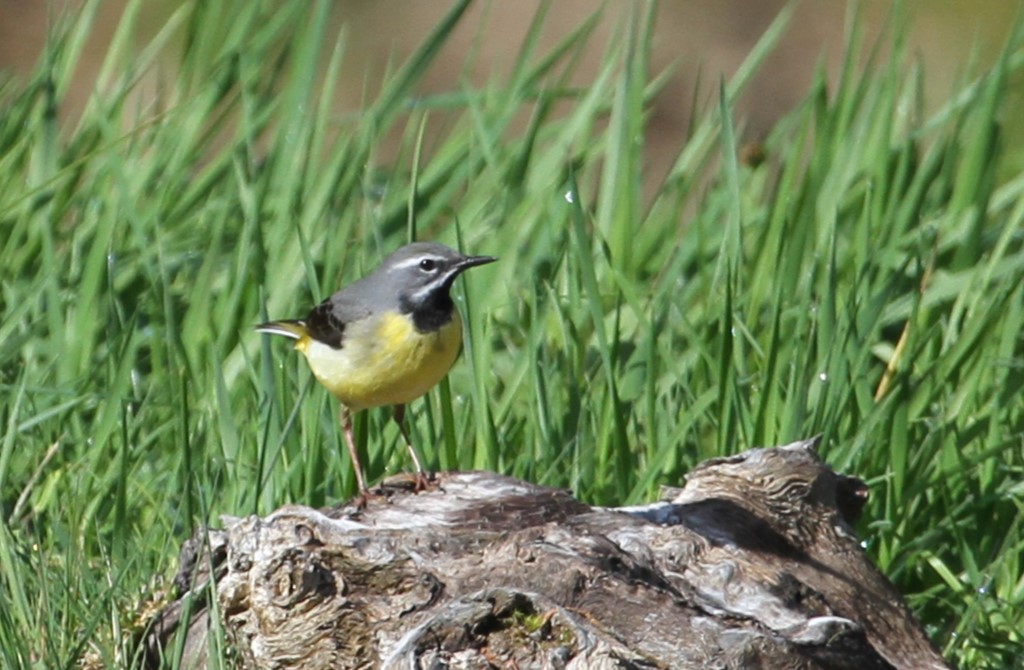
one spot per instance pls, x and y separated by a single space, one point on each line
753 564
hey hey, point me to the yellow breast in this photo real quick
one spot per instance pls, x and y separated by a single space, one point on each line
384 360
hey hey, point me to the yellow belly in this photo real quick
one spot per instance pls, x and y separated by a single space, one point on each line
384 360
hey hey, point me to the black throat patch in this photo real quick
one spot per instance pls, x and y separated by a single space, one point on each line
430 315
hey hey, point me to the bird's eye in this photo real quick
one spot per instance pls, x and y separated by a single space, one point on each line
428 264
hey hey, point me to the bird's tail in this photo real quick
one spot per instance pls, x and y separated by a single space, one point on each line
295 329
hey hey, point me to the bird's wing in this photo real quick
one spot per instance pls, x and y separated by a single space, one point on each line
327 321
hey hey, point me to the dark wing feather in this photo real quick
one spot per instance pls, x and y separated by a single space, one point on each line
326 322
323 325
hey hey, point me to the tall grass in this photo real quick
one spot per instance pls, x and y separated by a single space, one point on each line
863 282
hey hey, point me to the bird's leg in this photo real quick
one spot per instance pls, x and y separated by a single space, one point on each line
422 481
346 424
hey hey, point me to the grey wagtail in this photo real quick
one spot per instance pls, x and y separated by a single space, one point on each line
388 338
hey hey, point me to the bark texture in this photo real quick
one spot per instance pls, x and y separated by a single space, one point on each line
754 563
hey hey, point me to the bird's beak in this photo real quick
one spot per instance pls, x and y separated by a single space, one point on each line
472 261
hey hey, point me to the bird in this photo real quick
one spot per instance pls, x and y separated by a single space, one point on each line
386 339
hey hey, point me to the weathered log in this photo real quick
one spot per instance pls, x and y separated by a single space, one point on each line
753 564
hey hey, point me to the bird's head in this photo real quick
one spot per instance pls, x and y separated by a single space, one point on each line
421 274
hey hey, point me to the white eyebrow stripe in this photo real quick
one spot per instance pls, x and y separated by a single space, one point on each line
415 260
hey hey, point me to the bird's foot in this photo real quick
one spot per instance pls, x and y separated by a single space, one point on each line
417 482
426 481
361 500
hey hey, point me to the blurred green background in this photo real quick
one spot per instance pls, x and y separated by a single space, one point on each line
702 40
